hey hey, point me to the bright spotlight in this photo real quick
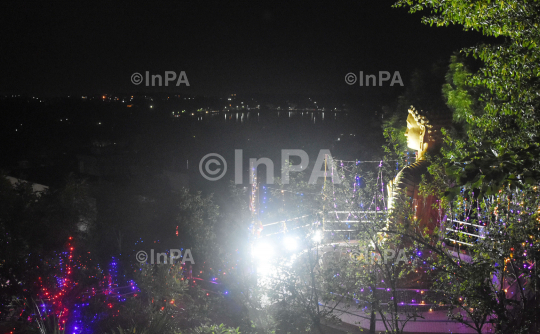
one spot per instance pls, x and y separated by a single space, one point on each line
265 270
262 252
317 236
290 243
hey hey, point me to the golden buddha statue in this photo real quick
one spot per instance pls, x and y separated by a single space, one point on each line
423 135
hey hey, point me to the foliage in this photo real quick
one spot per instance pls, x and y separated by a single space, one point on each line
165 303
491 278
159 325
489 172
160 284
511 68
499 102
49 325
197 217
34 228
312 289
212 329
396 143
471 158
462 98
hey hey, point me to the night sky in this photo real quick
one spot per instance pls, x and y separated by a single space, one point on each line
52 49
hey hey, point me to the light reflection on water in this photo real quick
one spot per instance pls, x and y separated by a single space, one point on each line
265 133
247 117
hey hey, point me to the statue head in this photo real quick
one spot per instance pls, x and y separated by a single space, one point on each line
423 132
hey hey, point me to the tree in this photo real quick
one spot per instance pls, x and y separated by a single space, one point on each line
489 171
196 218
511 69
34 229
499 102
488 274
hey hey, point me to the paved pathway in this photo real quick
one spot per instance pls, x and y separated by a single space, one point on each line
433 322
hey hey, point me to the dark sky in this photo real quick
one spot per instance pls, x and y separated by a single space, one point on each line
50 48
